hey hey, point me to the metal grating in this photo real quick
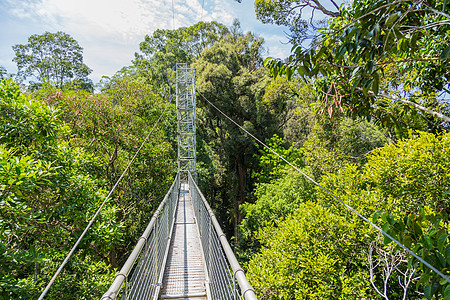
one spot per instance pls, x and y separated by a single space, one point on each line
185 275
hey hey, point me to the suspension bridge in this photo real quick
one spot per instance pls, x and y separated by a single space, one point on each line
183 253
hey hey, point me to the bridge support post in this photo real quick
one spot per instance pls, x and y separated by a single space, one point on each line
185 97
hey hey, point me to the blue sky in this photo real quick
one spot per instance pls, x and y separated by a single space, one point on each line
110 30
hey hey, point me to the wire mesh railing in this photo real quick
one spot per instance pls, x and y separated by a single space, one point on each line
146 262
226 278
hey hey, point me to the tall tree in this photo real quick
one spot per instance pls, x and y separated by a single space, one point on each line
231 76
51 57
164 48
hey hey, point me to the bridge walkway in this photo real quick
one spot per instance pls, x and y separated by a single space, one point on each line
185 273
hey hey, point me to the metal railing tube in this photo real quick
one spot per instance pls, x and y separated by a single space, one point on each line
247 291
120 278
172 212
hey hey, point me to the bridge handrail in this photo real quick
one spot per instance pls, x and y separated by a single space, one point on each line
247 291
123 276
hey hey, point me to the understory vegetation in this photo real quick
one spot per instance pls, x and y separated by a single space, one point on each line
361 112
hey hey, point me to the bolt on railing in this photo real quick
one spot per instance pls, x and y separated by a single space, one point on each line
223 268
146 262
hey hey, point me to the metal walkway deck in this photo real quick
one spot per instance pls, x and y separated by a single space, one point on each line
185 273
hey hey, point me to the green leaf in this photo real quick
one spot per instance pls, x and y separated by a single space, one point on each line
289 73
391 19
442 240
301 70
407 241
447 291
387 240
341 51
440 259
417 229
427 291
376 215
427 242
445 53
375 85
268 61
447 253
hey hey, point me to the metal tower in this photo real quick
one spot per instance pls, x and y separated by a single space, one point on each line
186 119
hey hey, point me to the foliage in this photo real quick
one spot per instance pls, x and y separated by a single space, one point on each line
398 179
111 126
426 233
230 76
271 165
280 189
52 58
275 201
18 113
165 48
401 179
42 181
3 73
335 142
352 53
308 256
58 150
413 171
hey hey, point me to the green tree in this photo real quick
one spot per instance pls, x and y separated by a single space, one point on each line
271 165
367 39
59 153
55 58
405 180
47 197
403 176
313 254
408 183
111 126
164 48
231 77
275 201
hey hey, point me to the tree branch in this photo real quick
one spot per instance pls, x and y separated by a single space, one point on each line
437 11
327 12
418 106
335 5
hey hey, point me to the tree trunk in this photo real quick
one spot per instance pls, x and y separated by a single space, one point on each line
241 168
112 259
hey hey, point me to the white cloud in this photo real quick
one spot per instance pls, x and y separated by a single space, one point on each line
110 30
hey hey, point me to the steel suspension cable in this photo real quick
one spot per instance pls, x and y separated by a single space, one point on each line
330 193
173 17
58 271
203 4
